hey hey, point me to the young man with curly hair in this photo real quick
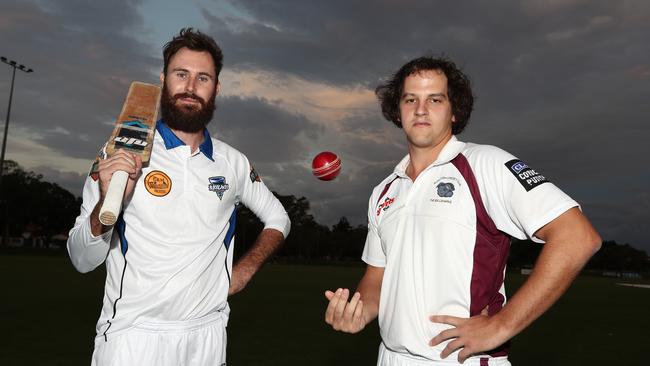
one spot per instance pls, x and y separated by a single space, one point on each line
439 230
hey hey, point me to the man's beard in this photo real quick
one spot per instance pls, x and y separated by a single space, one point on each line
187 117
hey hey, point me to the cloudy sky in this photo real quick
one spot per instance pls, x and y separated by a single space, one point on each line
562 84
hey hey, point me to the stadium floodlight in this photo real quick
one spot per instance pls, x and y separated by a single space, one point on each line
25 69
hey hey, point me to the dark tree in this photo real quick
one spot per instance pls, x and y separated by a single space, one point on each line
28 202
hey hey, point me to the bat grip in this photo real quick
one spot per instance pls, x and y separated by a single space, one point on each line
113 200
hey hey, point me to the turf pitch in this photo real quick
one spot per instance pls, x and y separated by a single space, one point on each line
48 313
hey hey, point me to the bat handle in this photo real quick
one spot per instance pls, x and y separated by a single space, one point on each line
113 200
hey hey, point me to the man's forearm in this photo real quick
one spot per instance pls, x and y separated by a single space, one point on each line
567 250
267 243
370 290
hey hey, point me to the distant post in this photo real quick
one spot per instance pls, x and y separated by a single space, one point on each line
4 208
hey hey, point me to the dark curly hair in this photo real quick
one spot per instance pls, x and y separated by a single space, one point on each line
458 86
195 41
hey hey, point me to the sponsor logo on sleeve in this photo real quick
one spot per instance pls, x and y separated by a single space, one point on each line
218 185
158 183
526 176
254 176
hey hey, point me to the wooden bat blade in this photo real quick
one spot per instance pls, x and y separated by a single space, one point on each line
135 126
134 131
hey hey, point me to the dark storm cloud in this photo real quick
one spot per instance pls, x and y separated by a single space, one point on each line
261 128
562 84
84 55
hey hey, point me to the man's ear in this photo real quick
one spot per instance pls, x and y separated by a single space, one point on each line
162 77
217 88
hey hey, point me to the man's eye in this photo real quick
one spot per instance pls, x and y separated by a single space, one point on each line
181 75
204 79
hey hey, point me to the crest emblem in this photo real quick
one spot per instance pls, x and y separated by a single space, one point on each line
446 189
158 183
218 185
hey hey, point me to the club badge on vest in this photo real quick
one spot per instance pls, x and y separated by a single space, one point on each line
218 185
445 189
158 183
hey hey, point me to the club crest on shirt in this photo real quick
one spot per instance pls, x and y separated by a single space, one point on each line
218 185
385 205
158 183
445 187
445 190
526 176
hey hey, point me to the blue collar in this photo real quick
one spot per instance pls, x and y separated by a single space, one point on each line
172 141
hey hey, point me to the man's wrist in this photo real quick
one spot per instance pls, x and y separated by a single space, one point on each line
504 329
96 226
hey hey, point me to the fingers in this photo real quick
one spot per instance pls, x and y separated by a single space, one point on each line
358 312
121 160
443 336
138 167
329 312
329 295
451 348
447 319
343 315
464 354
348 314
341 304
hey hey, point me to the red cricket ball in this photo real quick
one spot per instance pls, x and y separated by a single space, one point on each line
326 166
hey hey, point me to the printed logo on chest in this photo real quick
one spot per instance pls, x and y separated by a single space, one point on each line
218 185
385 205
445 187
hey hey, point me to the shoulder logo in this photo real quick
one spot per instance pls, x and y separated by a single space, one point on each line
218 185
254 176
526 176
446 189
158 183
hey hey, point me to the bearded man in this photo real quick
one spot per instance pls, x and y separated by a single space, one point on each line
169 257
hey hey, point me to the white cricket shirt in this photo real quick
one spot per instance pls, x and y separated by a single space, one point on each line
169 256
443 239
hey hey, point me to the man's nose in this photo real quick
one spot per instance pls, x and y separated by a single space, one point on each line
421 109
190 86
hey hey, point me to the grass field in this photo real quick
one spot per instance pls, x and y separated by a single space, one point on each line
48 313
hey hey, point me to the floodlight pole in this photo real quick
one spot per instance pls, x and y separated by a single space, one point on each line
25 69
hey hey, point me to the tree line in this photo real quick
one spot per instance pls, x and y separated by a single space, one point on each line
30 203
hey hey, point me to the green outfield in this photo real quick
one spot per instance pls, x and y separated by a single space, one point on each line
48 312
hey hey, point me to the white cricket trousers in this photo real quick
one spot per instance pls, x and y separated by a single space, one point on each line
390 358
197 342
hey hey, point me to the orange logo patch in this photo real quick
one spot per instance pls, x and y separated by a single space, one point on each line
158 183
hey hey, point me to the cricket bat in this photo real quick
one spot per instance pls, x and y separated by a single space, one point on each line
134 131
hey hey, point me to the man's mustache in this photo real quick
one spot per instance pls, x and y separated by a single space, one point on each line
189 96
